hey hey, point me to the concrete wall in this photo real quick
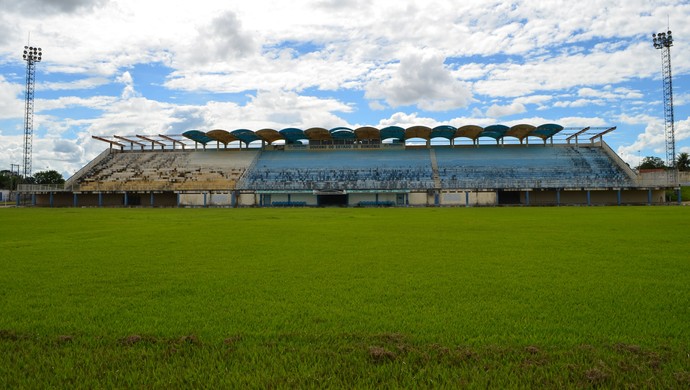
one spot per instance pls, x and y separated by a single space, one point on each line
661 178
354 199
248 200
418 198
453 198
447 198
309 198
66 199
605 197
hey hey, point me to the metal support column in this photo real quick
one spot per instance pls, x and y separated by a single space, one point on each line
558 197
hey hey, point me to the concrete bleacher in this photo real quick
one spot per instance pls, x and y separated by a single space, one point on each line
340 169
166 171
485 167
555 166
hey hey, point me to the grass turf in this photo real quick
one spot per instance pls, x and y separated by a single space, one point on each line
498 297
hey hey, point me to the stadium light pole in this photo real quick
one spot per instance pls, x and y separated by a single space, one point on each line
32 55
663 41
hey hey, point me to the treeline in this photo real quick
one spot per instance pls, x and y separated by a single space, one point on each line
9 180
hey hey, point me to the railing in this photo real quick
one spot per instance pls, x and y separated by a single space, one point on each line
40 187
71 181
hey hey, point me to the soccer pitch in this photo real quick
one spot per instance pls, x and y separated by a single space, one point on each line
479 297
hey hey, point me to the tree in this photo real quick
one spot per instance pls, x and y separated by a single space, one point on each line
683 162
48 177
652 162
8 180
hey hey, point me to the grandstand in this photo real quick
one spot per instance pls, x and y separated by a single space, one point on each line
417 166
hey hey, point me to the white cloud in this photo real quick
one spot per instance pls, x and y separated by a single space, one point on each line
423 81
496 111
609 93
128 91
11 106
580 103
86 83
534 99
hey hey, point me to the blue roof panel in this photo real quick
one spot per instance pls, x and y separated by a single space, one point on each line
495 131
292 135
392 132
198 136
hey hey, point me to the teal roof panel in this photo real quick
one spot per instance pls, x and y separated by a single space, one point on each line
246 136
495 131
547 130
392 132
198 136
292 135
443 131
342 133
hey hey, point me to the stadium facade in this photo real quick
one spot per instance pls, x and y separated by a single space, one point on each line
365 167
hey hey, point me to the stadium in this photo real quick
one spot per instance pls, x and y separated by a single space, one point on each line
363 167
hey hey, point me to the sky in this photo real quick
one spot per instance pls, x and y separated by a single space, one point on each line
130 67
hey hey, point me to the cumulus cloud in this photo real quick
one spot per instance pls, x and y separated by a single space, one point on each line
85 83
126 79
423 81
579 103
11 102
497 111
38 7
223 39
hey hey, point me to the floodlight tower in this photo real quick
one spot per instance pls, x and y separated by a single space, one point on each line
664 41
32 55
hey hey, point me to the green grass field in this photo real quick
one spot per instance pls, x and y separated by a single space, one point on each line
491 297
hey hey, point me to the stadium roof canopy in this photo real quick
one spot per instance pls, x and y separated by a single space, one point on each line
294 135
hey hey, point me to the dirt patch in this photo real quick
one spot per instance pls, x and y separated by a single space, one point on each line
232 340
532 350
131 339
596 376
380 355
8 335
65 338
136 339
395 338
627 348
189 340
